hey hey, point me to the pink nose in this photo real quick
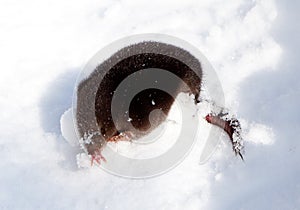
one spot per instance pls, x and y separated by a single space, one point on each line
208 118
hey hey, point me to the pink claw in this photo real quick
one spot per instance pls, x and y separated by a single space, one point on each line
97 157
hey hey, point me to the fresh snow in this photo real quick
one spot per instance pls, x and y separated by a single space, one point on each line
254 48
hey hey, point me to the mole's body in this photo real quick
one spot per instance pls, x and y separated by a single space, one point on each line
108 110
95 94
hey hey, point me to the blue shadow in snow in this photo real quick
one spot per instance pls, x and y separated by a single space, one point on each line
56 99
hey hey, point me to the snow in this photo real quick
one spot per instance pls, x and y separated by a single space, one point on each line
253 45
68 130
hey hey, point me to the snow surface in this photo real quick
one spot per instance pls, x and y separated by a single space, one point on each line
253 46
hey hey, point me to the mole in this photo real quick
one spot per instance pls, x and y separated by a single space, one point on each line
96 124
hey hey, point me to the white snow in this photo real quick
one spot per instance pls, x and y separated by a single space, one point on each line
68 128
254 47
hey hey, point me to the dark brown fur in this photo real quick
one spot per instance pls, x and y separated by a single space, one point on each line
94 98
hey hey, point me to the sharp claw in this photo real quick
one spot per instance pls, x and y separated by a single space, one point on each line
97 157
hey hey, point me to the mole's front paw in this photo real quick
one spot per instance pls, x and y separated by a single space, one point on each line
97 157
